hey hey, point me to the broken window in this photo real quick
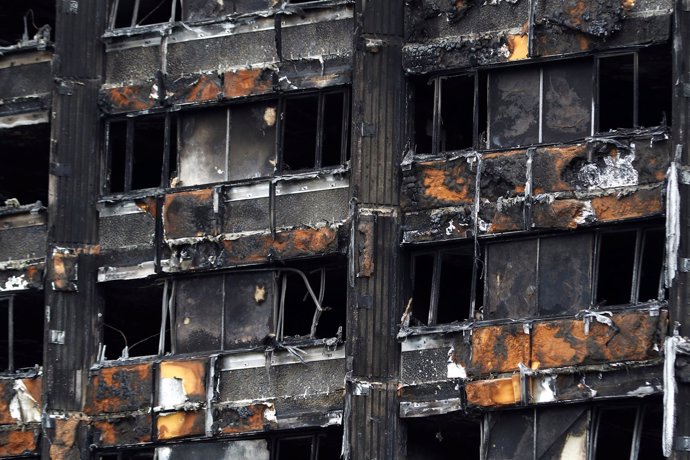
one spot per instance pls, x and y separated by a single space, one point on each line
134 319
627 432
233 143
445 285
21 331
443 437
24 173
315 131
142 153
543 103
447 113
25 21
134 13
550 275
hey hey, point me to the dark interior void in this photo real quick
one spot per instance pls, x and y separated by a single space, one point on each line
27 345
300 133
443 437
654 81
132 317
38 13
616 92
455 287
615 268
149 12
422 281
333 130
457 113
322 446
143 454
299 307
621 429
651 265
423 115
147 137
26 156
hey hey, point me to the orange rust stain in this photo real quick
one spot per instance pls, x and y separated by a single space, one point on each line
17 443
130 98
246 82
204 89
180 424
505 223
192 374
518 46
584 42
244 419
106 393
564 342
304 240
498 349
564 214
6 394
63 445
641 203
577 12
32 272
435 186
148 205
121 431
496 392
628 4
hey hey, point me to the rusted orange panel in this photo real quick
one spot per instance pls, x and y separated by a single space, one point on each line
642 203
192 375
189 214
366 248
289 244
254 417
63 444
125 430
180 424
120 389
6 395
195 89
18 442
451 186
550 166
497 349
129 98
518 46
561 214
496 392
63 270
247 82
564 342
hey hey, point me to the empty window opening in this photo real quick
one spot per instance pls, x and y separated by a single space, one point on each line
132 319
628 432
301 290
22 21
314 131
133 13
21 331
445 285
443 438
616 92
457 113
323 445
24 173
142 153
424 115
616 267
655 86
296 448
651 264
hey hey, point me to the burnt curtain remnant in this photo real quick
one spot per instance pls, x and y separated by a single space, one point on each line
344 229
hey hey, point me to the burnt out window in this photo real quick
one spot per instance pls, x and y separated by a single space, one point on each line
135 318
445 286
134 13
448 112
24 174
141 153
627 431
25 21
140 454
443 437
634 89
21 331
315 131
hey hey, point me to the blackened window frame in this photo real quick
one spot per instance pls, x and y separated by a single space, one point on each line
114 7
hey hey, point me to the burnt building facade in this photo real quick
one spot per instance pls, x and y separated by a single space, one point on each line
364 229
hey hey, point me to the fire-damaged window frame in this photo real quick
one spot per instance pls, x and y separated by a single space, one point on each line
173 139
114 9
9 301
282 278
480 254
481 100
9 306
